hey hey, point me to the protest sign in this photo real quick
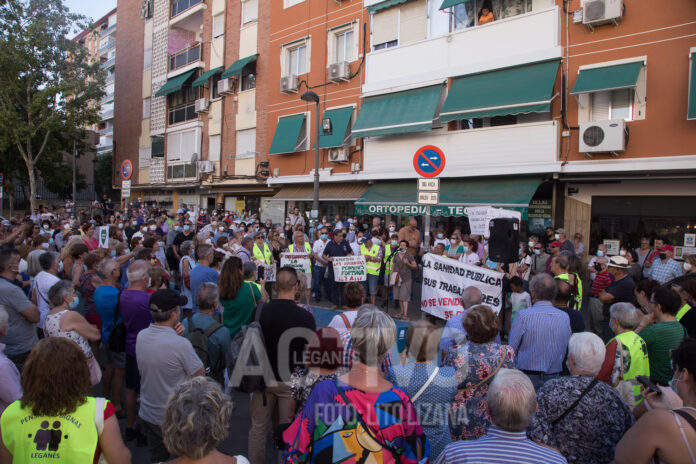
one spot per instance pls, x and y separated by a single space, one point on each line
103 236
349 268
480 217
299 261
270 272
444 280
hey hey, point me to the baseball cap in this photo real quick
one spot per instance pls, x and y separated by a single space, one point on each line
667 248
560 230
555 243
362 240
367 236
618 261
166 300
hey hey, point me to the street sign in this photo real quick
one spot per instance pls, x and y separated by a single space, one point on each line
126 170
428 198
125 189
429 161
429 185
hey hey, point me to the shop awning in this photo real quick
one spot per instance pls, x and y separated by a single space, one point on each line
340 119
456 195
691 113
289 136
174 84
516 90
327 192
384 5
238 65
449 3
203 78
398 113
620 76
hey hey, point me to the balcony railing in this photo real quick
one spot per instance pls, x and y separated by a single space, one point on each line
108 97
108 63
107 46
182 113
104 148
183 5
107 31
106 114
106 130
185 57
110 78
180 172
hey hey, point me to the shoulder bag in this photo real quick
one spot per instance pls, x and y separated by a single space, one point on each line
576 402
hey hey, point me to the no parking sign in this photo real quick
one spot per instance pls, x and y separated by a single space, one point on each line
429 161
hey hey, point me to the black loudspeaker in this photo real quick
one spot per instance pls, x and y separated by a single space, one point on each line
504 240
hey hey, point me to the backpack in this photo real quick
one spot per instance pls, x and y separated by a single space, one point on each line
200 340
248 383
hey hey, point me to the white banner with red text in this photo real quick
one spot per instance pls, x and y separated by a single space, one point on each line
349 269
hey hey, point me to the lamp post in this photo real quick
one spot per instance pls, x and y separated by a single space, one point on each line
313 97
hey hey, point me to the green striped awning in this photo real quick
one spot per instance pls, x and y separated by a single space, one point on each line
174 84
620 76
449 3
237 66
398 113
289 136
516 90
340 120
203 78
691 114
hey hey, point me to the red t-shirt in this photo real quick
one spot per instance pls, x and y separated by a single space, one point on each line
109 411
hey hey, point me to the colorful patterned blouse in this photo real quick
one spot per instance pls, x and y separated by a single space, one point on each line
328 432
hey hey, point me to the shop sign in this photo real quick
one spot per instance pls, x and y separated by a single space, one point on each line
420 210
540 209
299 261
349 269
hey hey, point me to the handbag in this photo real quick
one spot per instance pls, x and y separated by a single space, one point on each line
394 279
117 337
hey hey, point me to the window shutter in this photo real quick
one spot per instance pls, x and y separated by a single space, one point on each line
385 26
601 102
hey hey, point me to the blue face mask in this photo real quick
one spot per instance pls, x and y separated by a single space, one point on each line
73 304
394 243
50 241
127 251
187 227
600 253
120 226
519 252
113 253
177 228
60 267
466 249
324 236
537 251
160 244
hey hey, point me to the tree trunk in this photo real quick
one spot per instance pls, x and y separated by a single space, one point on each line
32 187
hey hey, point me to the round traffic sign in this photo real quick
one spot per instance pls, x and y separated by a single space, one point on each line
126 169
429 161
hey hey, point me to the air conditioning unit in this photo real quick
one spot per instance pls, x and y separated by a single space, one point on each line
338 155
598 12
225 86
603 136
206 167
202 105
339 72
289 84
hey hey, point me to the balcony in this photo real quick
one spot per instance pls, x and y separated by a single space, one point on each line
182 172
108 63
512 41
107 46
180 6
108 97
110 78
105 115
107 31
185 57
522 148
182 113
105 148
187 14
106 130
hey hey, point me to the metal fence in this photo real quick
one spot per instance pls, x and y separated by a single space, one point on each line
20 201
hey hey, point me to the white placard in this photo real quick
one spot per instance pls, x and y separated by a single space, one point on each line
299 261
270 272
613 247
481 216
103 236
689 240
428 198
429 185
349 269
444 281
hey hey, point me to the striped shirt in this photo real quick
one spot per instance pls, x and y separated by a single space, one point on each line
664 272
499 446
539 336
600 283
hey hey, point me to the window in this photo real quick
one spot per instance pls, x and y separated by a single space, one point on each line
146 108
390 44
296 60
249 77
250 11
289 3
182 145
343 46
246 143
214 86
470 13
184 57
147 59
214 148
219 25
614 104
182 104
385 29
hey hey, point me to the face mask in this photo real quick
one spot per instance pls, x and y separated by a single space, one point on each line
287 222
207 241
466 249
324 236
663 256
160 244
45 227
394 243
127 251
187 227
537 251
687 266
622 253
120 226
376 241
177 228
556 236
153 228
439 235
530 244
600 253
50 241
44 246
221 229
392 229
402 251
113 253
673 384
134 223
75 301
60 267
519 252
149 282
143 230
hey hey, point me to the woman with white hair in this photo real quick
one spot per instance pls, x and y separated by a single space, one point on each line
578 415
196 421
626 354
359 414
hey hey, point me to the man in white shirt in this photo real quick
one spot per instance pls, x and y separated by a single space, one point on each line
43 281
320 265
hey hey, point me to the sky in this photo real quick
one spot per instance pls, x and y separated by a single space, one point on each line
95 9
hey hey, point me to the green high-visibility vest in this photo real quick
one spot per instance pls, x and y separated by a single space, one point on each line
637 362
682 312
371 267
577 303
388 262
307 250
266 256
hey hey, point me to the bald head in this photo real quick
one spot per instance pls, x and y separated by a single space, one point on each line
471 296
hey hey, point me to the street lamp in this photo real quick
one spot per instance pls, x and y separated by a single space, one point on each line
313 97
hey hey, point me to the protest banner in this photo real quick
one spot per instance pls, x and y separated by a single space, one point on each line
299 261
481 216
444 280
103 236
349 269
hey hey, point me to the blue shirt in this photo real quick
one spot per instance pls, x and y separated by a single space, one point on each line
454 331
499 446
664 272
198 275
105 300
219 340
539 336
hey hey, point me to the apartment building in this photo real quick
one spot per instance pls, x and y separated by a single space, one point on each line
186 132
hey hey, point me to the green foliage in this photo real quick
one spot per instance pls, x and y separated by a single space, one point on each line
48 87
103 173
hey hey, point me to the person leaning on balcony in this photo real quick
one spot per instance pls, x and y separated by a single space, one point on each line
486 16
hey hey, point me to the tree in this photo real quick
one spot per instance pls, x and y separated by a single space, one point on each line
48 84
102 176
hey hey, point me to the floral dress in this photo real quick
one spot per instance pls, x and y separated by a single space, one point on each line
474 365
302 382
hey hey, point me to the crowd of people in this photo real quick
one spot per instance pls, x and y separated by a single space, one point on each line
155 310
